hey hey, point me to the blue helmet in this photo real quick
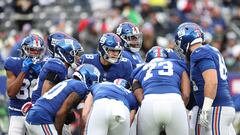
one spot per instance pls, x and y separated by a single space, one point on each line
186 35
110 41
122 82
68 50
132 38
53 39
88 73
156 52
33 47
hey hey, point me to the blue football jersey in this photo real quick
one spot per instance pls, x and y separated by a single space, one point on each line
14 64
52 65
202 59
123 69
134 57
161 76
113 91
46 107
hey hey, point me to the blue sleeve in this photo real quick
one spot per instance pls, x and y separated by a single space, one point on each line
183 64
203 58
82 59
56 67
135 72
128 70
133 102
8 65
81 89
12 63
15 51
206 64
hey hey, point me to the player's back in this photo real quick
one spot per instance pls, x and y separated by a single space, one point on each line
113 91
161 76
14 64
134 57
52 65
122 69
208 57
50 102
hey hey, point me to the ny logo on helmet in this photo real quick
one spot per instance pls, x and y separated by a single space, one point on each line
181 33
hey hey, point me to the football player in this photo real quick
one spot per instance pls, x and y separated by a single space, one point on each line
208 74
162 83
132 40
22 74
49 112
109 58
67 51
113 110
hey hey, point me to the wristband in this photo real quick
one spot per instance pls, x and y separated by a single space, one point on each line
207 104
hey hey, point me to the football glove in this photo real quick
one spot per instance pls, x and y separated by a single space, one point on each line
27 63
36 68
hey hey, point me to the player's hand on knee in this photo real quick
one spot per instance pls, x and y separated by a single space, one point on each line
27 63
204 118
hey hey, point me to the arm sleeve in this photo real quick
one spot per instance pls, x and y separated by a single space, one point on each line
206 64
53 77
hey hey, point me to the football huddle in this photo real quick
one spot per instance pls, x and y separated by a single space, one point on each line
178 91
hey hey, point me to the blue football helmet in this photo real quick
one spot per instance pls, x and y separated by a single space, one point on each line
132 38
156 52
53 39
110 41
88 73
69 50
33 47
186 35
122 82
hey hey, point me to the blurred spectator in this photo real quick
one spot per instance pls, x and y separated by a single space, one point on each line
184 5
236 17
113 19
23 12
206 22
61 24
88 35
2 5
131 14
217 18
148 36
26 30
218 37
229 54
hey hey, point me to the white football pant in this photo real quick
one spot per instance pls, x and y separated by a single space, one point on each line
158 110
108 117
